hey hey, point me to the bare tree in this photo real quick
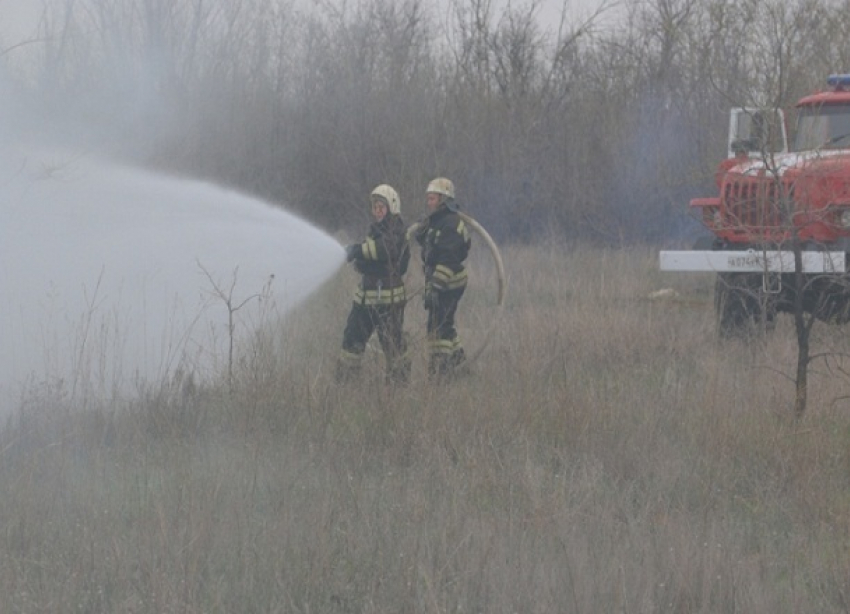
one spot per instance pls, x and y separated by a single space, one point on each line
585 130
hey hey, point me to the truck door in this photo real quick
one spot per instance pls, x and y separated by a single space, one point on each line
756 132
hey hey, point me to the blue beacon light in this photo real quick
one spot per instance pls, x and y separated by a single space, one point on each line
838 81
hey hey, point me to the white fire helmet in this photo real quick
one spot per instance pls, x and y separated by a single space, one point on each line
389 196
441 186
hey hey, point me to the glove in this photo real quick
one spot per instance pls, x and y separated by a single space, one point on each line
422 230
352 251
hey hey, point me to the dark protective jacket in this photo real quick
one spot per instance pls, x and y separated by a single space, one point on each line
445 243
382 261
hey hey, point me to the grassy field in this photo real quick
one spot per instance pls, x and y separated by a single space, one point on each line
607 454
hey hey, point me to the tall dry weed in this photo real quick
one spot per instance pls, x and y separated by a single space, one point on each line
607 453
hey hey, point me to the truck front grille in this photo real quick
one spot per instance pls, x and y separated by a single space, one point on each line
757 203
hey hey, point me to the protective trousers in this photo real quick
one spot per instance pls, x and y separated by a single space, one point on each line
363 321
444 346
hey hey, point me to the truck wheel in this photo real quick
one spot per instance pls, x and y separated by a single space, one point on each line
741 305
832 308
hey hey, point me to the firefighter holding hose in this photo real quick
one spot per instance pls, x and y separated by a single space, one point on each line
382 259
445 241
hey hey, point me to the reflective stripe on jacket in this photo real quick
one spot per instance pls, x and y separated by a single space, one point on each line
380 296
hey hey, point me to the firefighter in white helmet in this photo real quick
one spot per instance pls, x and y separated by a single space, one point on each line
445 243
382 259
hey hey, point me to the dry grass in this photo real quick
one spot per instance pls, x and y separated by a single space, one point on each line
606 455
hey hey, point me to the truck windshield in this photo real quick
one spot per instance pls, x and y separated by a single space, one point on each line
823 127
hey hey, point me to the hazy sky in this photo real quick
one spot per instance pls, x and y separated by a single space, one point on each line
19 17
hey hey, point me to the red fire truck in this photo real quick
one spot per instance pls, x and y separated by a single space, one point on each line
779 209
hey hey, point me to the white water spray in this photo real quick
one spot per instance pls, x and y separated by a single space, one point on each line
111 271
